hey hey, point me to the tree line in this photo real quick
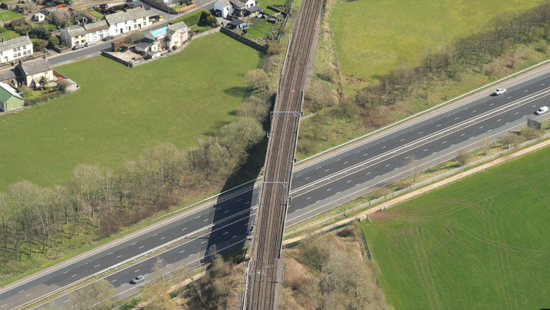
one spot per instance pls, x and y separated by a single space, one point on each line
34 219
498 37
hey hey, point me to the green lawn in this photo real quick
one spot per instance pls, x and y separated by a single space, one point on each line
8 35
372 36
259 28
480 243
265 3
9 15
120 110
96 14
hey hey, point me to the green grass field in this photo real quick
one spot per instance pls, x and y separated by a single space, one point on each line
371 36
480 243
259 28
96 14
8 35
119 110
9 15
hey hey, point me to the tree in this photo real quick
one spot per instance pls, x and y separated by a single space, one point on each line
274 48
54 41
412 165
484 144
155 290
511 139
95 186
257 79
25 91
135 37
462 157
99 295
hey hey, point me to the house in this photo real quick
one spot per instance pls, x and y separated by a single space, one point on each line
9 98
15 48
236 23
223 8
147 45
253 11
119 23
97 31
240 6
34 70
74 35
177 34
38 17
139 18
48 11
135 4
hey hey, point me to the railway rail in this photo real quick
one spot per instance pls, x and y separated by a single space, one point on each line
263 268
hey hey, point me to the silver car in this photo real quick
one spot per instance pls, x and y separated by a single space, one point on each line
137 279
500 91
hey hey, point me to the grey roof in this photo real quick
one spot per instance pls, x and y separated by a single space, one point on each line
137 13
13 43
177 26
145 43
237 4
236 22
8 75
116 18
224 3
99 25
76 31
253 9
36 66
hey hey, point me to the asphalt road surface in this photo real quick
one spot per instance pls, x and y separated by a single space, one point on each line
316 188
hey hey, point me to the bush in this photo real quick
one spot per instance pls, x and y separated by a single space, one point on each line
54 41
462 157
175 47
2 29
44 98
274 48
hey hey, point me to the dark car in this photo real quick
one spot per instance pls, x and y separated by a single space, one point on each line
77 47
137 279
108 38
104 6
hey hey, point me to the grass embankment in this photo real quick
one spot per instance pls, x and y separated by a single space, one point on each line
373 36
8 35
118 111
9 15
479 243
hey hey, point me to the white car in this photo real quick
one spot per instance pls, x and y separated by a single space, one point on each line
542 110
500 91
137 279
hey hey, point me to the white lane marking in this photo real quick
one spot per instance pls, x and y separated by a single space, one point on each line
113 280
182 251
534 106
403 139
141 247
240 199
498 120
365 154
67 300
526 90
494 103
133 243
110 253
388 165
471 137
307 178
434 153
162 238
119 256
205 241
318 167
509 97
308 198
97 265
420 132
197 217
507 123
516 113
474 111
327 170
225 233
21 292
329 189
184 229
136 270
462 134
74 275
348 181
406 157
226 211
489 130
205 220
425 150
438 125
346 162
480 127
236 235
443 142
367 173
27 295
376 176
542 84
248 202
155 235
357 184
66 272
357 152
336 160
456 118
384 147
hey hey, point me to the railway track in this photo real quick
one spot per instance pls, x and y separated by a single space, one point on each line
263 270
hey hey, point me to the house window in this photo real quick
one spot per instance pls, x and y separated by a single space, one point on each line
135 27
24 47
19 48
135 20
144 19
18 54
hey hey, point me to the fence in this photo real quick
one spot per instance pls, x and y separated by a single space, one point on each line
184 9
161 6
244 40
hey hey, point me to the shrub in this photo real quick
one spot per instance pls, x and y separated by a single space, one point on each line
274 48
175 47
328 74
462 157
54 41
2 29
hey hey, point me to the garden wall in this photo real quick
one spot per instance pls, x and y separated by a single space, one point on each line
244 40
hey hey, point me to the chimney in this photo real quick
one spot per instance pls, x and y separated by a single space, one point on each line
20 62
2 40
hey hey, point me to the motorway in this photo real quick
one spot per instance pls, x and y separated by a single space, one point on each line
317 188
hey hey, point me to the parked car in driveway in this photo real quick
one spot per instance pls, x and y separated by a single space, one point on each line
542 110
499 91
77 47
108 38
137 279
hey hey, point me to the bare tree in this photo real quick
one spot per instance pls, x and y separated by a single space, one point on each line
99 295
257 79
412 165
485 144
462 157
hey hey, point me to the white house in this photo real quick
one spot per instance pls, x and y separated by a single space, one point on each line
232 7
177 34
223 8
119 23
15 48
74 35
139 18
38 17
97 31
